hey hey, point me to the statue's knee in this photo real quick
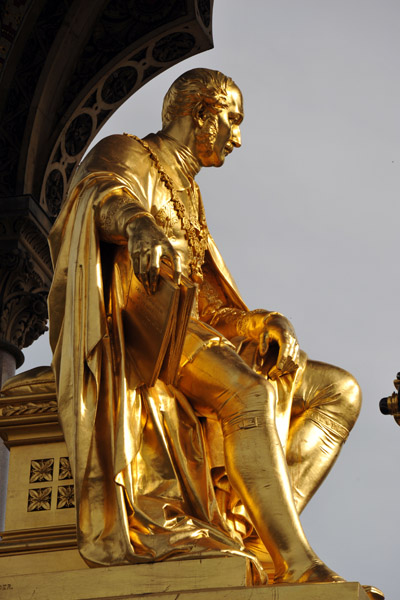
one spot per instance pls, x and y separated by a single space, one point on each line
346 406
257 399
260 396
352 398
336 394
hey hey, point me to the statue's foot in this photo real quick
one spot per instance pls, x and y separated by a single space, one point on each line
318 572
373 592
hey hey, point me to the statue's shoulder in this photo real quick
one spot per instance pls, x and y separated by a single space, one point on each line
117 153
119 143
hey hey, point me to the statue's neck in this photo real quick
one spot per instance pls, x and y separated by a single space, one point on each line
184 155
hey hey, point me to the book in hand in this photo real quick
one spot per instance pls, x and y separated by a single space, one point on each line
156 325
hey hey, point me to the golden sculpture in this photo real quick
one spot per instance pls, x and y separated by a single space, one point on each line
227 458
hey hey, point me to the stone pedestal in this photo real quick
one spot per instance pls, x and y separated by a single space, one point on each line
220 578
25 275
40 513
38 550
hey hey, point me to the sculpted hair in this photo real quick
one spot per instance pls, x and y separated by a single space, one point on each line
197 88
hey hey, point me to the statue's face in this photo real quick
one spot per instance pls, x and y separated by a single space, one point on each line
220 133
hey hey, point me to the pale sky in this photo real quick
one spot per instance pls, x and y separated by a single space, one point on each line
306 216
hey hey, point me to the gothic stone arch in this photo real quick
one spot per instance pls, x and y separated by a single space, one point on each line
65 67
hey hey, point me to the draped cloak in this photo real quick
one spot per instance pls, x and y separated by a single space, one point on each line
141 458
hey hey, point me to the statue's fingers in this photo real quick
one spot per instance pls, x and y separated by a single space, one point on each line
144 269
143 280
177 268
264 344
154 270
284 354
296 354
274 373
285 363
135 256
169 252
291 348
289 366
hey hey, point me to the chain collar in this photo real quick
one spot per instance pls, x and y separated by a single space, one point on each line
197 238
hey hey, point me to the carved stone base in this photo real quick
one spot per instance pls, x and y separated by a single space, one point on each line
221 578
38 550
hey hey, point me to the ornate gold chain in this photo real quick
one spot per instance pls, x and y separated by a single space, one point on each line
197 238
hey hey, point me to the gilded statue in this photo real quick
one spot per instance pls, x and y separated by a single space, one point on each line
226 459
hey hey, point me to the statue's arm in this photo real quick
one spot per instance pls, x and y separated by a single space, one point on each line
214 308
261 326
123 219
114 212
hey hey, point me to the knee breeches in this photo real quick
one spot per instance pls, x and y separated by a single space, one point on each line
220 384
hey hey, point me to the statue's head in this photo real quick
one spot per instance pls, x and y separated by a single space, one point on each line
213 103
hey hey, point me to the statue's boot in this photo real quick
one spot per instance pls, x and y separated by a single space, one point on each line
214 377
373 592
257 470
318 573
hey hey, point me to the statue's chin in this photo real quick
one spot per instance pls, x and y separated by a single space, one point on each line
212 160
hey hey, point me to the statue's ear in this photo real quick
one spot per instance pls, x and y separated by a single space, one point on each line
199 114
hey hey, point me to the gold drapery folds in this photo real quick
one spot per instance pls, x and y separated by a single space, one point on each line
151 464
144 487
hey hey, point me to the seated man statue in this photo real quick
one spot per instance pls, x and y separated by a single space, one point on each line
227 458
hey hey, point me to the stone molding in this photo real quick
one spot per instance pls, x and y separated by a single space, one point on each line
29 419
218 578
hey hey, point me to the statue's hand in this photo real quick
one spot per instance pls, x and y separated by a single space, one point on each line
147 245
267 327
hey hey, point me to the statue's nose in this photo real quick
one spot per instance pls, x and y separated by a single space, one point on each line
236 138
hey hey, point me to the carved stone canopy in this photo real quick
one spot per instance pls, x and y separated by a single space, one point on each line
65 67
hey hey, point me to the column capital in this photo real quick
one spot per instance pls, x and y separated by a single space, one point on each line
25 273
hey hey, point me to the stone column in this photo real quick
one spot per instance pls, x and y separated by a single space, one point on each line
8 365
25 276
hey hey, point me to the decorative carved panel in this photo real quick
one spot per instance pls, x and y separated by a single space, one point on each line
39 499
23 300
51 495
25 273
29 409
65 496
41 470
64 471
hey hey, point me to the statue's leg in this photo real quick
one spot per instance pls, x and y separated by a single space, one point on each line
325 408
215 378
